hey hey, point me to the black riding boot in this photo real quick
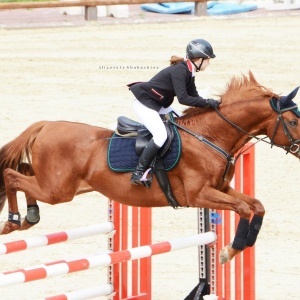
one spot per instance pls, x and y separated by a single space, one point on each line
144 162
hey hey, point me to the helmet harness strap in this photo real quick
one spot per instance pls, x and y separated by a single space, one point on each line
198 68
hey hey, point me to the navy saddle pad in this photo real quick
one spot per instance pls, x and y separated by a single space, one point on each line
121 155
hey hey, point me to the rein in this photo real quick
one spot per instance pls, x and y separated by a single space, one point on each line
244 131
204 140
293 148
230 159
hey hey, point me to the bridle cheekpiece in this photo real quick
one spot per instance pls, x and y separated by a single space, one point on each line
281 106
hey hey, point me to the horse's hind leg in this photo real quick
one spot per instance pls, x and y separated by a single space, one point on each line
33 212
14 217
14 181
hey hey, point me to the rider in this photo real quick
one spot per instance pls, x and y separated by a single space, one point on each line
155 97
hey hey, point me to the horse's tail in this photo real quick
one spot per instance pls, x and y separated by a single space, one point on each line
13 153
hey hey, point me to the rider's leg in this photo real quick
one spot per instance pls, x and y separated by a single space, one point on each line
166 110
151 119
145 160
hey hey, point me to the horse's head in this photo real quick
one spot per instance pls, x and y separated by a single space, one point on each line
250 110
286 131
282 126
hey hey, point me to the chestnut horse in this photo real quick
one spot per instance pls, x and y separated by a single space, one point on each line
65 159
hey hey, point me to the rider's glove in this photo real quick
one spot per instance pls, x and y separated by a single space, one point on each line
212 103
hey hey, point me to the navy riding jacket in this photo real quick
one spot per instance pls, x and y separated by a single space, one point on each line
175 80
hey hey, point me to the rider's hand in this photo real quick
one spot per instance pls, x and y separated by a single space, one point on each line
212 103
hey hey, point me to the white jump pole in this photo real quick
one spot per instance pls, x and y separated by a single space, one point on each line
57 237
65 267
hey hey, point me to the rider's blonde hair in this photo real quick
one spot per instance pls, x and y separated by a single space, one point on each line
177 59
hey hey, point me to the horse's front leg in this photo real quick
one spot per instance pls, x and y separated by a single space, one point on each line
229 251
211 198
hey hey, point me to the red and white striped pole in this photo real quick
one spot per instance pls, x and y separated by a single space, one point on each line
57 237
65 267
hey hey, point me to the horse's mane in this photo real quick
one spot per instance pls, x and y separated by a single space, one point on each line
238 89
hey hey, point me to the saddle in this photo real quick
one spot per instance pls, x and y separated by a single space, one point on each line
128 127
127 144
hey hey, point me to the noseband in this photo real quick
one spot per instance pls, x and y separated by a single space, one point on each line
294 144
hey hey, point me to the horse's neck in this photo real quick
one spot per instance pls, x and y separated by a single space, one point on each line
252 117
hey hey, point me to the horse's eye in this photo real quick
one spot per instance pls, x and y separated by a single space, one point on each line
293 123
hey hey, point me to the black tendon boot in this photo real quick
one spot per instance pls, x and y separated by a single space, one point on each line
144 162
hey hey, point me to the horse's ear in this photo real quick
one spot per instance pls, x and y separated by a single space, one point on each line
287 103
285 100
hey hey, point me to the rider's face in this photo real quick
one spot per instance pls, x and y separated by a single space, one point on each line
204 64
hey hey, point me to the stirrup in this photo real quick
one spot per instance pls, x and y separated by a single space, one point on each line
136 177
140 178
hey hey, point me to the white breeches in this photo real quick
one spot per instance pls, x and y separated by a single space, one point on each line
151 119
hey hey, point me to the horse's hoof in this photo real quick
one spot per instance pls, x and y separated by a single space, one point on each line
224 256
8 227
228 253
25 225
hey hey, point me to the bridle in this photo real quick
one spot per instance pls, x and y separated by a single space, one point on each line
292 148
294 144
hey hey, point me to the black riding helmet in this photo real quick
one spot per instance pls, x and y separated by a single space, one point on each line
199 49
